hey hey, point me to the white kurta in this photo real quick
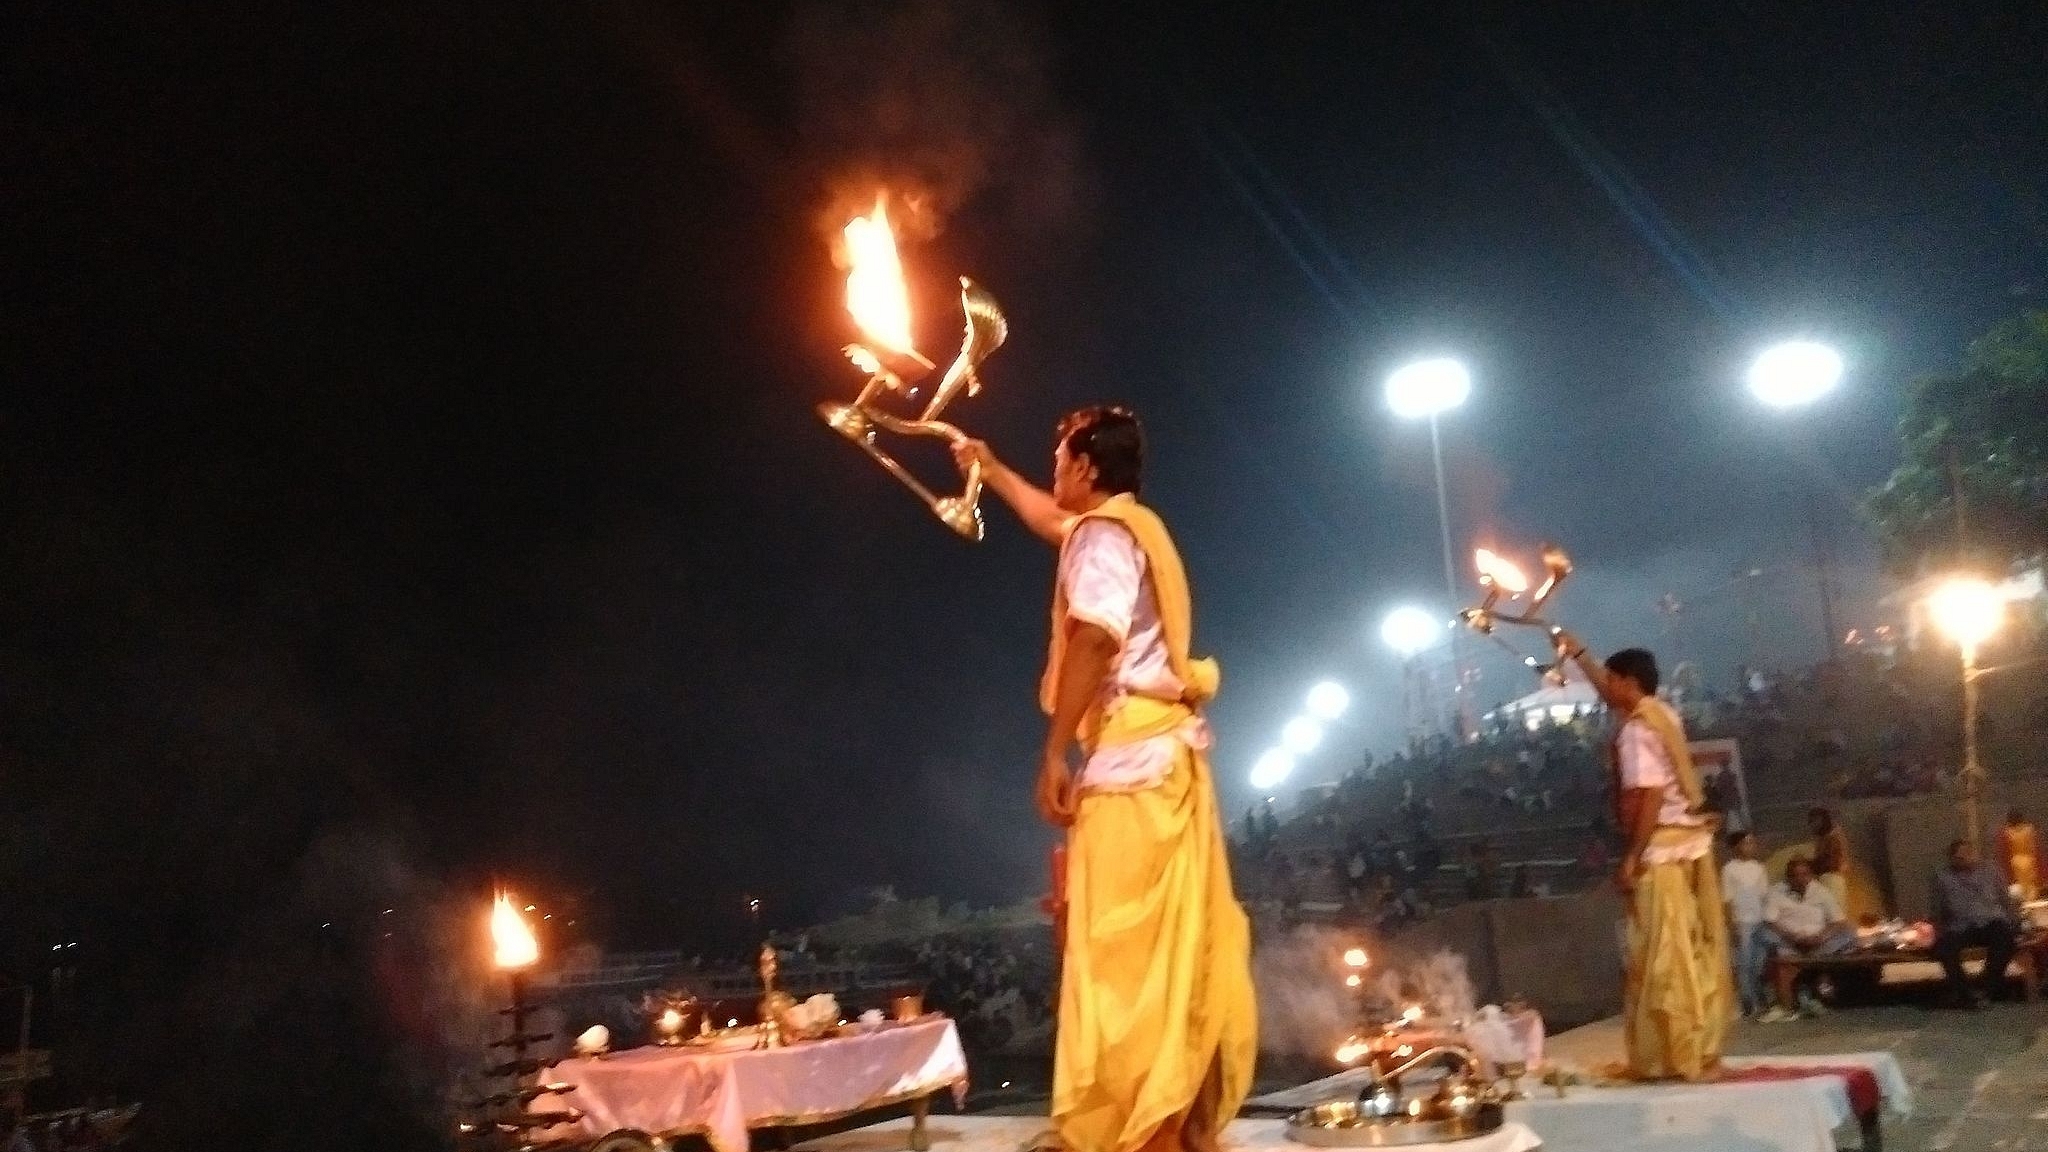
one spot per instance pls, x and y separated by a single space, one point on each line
1104 577
1644 764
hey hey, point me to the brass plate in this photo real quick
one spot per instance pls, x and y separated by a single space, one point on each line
1341 1125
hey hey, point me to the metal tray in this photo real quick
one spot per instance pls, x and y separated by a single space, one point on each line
1342 1125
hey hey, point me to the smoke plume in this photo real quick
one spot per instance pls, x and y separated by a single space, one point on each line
937 101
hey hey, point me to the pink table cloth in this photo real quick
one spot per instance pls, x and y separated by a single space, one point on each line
671 1091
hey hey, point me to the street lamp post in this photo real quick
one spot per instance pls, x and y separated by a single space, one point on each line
1428 389
1409 631
1969 611
1788 376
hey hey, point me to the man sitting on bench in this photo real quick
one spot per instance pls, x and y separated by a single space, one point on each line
1804 919
1972 909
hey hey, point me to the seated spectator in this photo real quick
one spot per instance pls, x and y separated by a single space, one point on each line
1382 853
1518 882
1804 918
1972 909
1594 859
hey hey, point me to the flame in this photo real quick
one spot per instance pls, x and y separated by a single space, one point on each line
1353 980
1499 570
511 940
1352 1050
671 1021
1355 957
875 292
1411 1013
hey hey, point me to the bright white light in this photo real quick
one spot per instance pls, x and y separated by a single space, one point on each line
1967 610
1272 768
1301 735
1428 387
1795 373
1409 630
1328 700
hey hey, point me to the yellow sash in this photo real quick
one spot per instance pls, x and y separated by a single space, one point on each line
1169 588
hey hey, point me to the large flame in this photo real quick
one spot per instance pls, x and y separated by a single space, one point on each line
1353 1050
1500 570
512 942
875 292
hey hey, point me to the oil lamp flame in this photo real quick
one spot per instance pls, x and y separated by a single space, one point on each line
1355 958
1411 1014
875 292
512 942
1499 570
1352 1051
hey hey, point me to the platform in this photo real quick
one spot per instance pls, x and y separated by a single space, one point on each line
1976 1082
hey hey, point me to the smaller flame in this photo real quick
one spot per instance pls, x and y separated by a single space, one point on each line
1352 1050
671 1021
1411 1014
1496 569
1353 980
512 942
864 359
1355 958
875 292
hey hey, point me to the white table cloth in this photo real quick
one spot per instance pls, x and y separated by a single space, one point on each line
1771 1116
1891 1079
671 1091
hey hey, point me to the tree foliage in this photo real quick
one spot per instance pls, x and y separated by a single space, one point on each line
1984 432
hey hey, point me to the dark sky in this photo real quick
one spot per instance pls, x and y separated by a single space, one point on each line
408 417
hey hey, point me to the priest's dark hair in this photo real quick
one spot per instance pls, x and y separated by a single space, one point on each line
1638 665
1109 436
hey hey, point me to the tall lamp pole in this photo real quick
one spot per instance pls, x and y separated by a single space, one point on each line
1969 611
1428 389
1789 376
1410 631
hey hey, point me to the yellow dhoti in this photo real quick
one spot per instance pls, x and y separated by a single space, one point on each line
1680 993
1156 990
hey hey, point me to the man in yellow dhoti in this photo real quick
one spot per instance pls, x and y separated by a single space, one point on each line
1679 993
1157 1023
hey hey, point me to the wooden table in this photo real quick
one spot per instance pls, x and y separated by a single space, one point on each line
1787 967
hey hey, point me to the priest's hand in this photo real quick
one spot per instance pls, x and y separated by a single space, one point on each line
967 452
1625 878
1055 791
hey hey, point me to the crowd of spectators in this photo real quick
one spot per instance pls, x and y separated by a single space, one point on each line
998 987
1522 810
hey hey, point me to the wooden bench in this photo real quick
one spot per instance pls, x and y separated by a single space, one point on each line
1786 968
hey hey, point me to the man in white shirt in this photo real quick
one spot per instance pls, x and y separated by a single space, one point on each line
1806 919
1744 886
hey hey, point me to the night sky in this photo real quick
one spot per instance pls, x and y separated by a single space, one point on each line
408 431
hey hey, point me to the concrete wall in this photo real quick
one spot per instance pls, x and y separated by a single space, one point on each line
1917 832
1560 953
